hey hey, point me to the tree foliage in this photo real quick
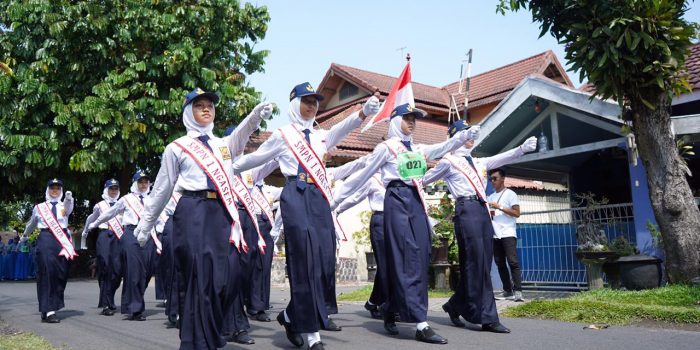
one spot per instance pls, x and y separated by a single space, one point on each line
91 89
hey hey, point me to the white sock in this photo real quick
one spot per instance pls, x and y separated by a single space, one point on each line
50 313
312 338
421 325
286 318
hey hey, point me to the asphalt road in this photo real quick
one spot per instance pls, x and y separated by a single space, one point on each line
83 328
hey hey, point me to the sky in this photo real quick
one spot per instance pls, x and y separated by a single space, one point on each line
305 36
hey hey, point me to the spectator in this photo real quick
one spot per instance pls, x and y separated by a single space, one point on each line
505 209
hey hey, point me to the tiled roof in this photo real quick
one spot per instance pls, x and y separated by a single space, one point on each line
692 64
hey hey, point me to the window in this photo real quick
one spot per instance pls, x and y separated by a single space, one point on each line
348 90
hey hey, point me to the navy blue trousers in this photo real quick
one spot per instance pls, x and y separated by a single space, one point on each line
134 273
201 230
108 278
235 319
407 242
376 235
309 240
52 275
167 269
473 298
259 288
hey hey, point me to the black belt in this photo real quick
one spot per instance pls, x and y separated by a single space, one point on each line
306 179
378 212
398 183
130 226
201 194
471 198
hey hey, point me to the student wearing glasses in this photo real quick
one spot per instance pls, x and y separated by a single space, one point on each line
505 210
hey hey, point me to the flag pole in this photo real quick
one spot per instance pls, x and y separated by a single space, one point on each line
469 78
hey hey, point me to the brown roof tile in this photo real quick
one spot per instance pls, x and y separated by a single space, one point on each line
692 64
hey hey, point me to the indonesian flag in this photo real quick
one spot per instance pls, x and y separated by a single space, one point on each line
400 93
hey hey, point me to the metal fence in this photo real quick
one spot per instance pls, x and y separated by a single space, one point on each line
547 242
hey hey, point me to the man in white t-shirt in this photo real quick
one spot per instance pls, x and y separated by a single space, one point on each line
505 210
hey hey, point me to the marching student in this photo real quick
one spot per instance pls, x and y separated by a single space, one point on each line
107 247
205 220
308 220
406 229
133 266
54 248
167 262
465 177
374 191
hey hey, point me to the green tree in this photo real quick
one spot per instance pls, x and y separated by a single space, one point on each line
92 89
634 52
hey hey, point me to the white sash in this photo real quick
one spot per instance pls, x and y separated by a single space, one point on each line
472 175
51 221
396 147
135 204
113 223
210 164
313 165
262 203
243 195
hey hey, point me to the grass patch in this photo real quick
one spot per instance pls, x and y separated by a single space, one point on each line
24 341
362 294
677 304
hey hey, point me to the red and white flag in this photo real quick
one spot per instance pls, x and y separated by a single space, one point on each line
400 93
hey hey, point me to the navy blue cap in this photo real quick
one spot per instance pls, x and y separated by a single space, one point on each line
200 93
406 109
304 89
230 129
457 126
111 182
54 181
140 175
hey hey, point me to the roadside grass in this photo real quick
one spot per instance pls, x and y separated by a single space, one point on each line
12 339
676 304
362 294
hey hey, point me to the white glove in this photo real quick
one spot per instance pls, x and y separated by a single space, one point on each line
529 145
266 111
473 132
69 195
85 233
141 235
91 227
258 110
371 107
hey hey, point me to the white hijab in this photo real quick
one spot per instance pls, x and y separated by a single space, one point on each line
135 189
192 125
52 199
294 114
107 198
395 129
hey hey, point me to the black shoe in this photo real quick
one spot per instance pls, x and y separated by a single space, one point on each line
390 324
173 321
332 326
241 337
495 327
262 316
161 304
107 312
317 346
428 335
51 319
136 317
294 338
373 310
454 315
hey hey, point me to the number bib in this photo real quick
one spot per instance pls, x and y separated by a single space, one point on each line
412 165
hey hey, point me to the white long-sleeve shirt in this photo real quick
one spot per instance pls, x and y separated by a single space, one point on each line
96 211
63 210
129 217
382 160
276 148
373 190
457 183
178 168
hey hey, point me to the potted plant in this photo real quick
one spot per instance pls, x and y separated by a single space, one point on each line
592 243
621 247
362 241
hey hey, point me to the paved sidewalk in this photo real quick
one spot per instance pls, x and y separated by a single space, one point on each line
83 328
